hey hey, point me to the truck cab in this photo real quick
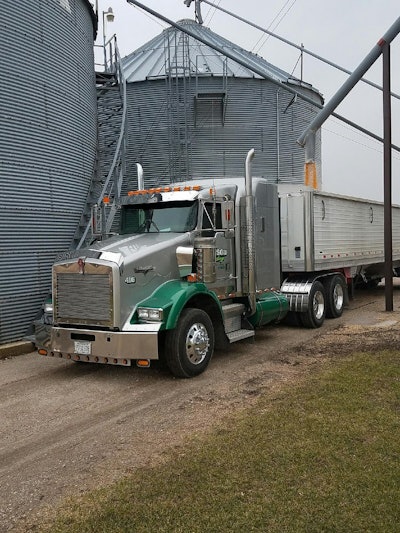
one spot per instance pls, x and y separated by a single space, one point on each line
175 281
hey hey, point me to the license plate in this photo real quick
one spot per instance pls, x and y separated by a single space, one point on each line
82 347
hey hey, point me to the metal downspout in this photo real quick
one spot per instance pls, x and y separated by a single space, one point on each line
250 233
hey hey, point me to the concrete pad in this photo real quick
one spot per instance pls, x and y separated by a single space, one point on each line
16 348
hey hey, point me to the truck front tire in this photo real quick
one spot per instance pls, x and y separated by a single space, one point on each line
190 346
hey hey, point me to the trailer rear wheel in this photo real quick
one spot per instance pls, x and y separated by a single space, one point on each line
190 346
335 296
315 315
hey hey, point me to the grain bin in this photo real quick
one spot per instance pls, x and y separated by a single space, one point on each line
48 130
195 113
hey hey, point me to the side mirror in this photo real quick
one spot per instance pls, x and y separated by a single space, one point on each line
228 219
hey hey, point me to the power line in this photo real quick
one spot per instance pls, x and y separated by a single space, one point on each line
294 45
266 37
270 25
151 17
395 154
209 11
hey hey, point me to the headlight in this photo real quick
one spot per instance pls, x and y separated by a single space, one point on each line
48 307
149 313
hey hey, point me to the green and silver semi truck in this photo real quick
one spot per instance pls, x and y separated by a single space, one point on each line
199 265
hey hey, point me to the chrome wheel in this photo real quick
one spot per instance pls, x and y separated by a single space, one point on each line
338 297
319 305
335 290
315 315
190 345
197 343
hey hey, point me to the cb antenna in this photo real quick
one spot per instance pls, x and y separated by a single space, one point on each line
197 8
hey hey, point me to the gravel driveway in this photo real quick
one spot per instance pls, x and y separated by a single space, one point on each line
66 427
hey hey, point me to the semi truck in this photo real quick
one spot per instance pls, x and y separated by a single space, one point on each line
201 264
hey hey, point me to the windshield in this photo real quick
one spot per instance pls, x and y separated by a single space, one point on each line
174 217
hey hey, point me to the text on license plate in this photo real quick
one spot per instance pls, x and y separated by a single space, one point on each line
82 347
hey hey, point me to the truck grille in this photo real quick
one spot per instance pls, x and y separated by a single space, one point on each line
83 298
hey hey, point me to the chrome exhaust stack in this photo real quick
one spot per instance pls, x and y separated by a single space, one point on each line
250 232
140 178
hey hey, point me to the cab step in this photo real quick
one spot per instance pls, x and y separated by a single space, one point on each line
240 334
232 316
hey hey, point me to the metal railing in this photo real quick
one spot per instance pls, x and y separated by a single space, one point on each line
113 183
110 55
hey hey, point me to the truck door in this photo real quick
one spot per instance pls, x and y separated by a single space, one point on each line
218 223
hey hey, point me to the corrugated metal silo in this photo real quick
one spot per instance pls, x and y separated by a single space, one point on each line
193 112
48 133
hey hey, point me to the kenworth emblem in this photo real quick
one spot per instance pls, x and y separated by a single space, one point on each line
81 265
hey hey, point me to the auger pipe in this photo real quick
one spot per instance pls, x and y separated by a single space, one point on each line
351 81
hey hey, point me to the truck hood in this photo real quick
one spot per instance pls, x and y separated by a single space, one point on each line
124 249
145 262
141 263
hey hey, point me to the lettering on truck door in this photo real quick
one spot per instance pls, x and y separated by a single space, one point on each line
212 226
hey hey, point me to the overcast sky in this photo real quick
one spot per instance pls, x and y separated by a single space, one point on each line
343 31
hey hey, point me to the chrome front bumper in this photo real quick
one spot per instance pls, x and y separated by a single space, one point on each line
107 347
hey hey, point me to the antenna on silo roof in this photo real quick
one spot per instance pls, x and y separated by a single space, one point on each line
197 8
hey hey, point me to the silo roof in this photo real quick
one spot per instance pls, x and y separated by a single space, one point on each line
166 50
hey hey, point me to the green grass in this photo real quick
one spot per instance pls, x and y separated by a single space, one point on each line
323 456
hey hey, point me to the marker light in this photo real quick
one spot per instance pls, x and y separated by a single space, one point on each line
165 189
143 363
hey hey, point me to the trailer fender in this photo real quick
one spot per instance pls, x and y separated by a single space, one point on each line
173 296
297 291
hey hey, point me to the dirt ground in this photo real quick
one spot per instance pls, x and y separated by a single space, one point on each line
66 428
